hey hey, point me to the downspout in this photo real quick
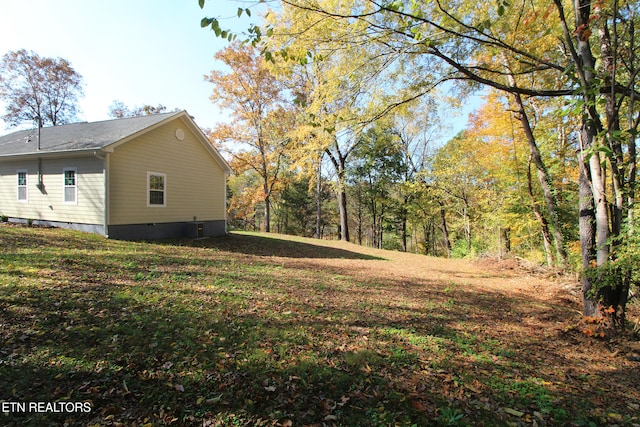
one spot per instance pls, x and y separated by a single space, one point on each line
226 223
39 127
40 180
104 156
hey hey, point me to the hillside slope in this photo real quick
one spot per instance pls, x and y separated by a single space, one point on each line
255 329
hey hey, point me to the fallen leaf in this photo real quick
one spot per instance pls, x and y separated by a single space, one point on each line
419 406
214 399
513 412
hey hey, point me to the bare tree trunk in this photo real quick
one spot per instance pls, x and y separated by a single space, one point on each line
544 226
591 178
615 296
267 213
544 180
467 225
613 128
445 231
631 174
342 206
587 240
632 123
404 214
506 238
380 227
359 215
319 200
338 162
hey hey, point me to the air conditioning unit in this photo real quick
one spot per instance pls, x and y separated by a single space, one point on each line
195 230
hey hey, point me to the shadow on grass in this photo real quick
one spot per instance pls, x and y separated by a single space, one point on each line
265 245
169 335
164 355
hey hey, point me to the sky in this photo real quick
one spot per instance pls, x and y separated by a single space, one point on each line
139 52
135 51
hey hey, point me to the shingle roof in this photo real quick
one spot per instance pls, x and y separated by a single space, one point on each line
76 136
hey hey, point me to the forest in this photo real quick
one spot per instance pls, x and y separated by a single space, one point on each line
340 110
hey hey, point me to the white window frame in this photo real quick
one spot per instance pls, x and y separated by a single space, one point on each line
164 190
74 186
25 186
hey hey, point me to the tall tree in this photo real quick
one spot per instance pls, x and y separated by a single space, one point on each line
415 125
378 169
507 158
606 74
583 50
256 102
341 91
118 110
36 88
461 180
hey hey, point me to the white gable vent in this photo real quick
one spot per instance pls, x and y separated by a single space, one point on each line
179 134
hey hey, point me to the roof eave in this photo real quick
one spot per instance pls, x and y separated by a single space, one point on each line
207 144
110 147
55 154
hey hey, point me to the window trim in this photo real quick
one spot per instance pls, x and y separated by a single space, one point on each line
65 186
25 186
164 190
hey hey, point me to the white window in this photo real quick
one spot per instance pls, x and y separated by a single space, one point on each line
156 189
23 181
70 194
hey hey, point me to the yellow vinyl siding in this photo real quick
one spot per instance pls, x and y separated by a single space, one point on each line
195 182
47 204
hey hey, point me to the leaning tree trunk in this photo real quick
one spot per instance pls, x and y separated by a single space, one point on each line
544 226
544 179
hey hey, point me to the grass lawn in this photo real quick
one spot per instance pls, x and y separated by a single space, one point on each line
267 330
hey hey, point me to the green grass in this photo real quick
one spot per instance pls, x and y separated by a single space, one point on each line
261 330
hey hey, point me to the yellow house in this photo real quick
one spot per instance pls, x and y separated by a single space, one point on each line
145 177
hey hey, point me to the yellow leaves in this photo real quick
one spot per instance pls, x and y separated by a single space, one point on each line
366 369
535 16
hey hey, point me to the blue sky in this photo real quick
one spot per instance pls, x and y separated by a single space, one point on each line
135 51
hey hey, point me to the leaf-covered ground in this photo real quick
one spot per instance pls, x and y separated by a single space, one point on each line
255 329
